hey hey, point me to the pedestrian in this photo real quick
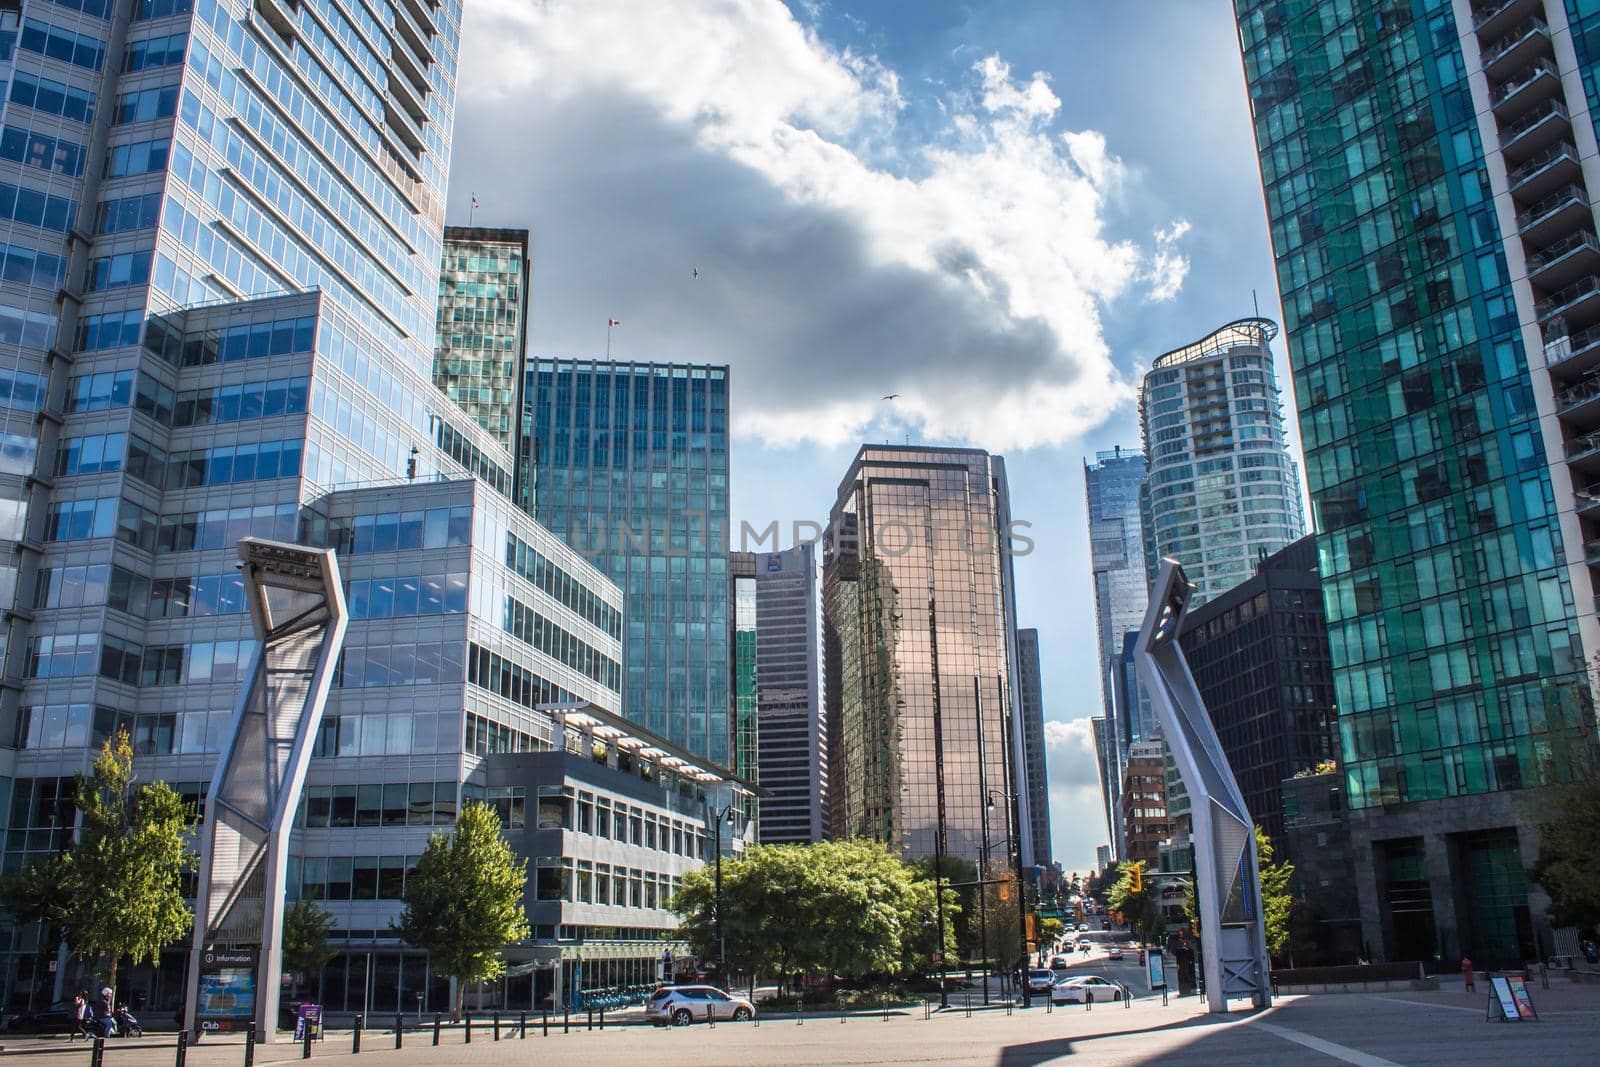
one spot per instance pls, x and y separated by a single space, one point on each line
1466 974
1590 951
82 1016
106 1013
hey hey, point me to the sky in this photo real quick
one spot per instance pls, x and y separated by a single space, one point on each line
1001 211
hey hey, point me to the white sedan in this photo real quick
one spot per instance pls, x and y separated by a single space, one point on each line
1092 988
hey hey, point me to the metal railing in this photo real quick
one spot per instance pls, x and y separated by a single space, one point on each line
1524 78
1578 290
1564 247
1583 390
1550 205
1552 108
1541 161
1522 31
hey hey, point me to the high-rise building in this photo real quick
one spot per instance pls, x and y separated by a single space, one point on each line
1102 857
1259 656
1438 268
632 468
1220 489
1121 592
222 254
1144 804
1037 779
919 626
742 663
481 355
791 737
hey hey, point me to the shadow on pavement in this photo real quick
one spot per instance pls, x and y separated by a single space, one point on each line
1037 1052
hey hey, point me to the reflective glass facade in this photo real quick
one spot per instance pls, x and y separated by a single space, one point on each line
632 468
742 644
483 320
919 650
792 743
1033 747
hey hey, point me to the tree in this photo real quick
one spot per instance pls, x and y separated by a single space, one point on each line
839 908
463 904
1569 855
1277 901
117 890
1141 910
305 940
1051 929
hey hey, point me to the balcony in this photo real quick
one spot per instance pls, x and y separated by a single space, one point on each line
1526 42
1555 216
1591 553
1558 265
1571 355
1587 501
1541 127
1583 453
1537 178
1538 81
1579 403
1494 19
1578 303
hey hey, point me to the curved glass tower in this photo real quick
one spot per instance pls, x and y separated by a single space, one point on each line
1220 490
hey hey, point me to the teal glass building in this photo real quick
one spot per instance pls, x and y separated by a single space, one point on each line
1427 169
631 463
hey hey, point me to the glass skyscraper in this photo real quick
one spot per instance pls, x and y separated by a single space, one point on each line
481 355
1121 592
1423 166
919 640
1220 491
1036 779
792 739
742 643
632 468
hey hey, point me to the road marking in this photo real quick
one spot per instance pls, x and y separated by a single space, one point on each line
1327 1048
1430 1004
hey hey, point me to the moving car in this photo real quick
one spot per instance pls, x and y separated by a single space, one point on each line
1115 953
1059 963
1041 980
681 1005
1084 987
1083 928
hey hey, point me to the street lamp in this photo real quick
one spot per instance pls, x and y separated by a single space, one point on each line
714 818
1022 894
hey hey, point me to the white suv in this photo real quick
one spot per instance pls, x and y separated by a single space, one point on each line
681 1005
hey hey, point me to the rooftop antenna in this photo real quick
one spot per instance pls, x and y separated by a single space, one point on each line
611 324
472 211
1256 302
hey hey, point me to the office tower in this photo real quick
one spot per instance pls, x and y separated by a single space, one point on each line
792 743
1437 279
632 468
1102 857
1105 766
1037 780
480 360
742 663
1259 655
221 266
1144 804
1220 488
1121 591
919 646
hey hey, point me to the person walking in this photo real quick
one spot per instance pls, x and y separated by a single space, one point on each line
82 1016
1466 974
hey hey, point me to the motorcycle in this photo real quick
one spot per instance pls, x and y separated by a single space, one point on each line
127 1025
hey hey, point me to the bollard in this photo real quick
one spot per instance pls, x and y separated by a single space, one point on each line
250 1045
602 1016
1050 1004
566 1019
399 1030
1088 1001
305 1044
497 1026
98 1054
547 1024
800 1013
183 1049
467 1018
1127 997
524 1026
589 1019
1008 1007
968 996
355 1035
436 1022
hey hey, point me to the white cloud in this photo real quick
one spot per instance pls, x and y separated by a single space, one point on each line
1168 267
840 261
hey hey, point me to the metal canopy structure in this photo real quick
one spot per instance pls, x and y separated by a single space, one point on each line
1233 938
297 605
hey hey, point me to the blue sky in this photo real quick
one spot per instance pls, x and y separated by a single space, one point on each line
1001 210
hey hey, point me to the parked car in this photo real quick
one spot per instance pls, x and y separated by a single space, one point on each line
58 1018
1085 987
1040 981
684 1004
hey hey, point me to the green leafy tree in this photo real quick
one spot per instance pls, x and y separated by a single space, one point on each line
463 904
1141 910
839 908
116 891
305 940
961 874
1277 899
1568 867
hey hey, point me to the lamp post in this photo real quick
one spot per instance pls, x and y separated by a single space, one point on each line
714 818
1022 893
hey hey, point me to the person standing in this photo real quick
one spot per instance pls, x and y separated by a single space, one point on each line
1466 974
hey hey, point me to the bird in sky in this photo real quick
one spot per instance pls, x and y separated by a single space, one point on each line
694 272
892 396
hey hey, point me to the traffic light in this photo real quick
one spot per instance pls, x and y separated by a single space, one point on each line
1136 879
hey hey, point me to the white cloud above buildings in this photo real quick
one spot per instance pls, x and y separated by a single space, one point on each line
840 256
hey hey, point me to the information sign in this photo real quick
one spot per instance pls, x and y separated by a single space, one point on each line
227 989
1519 995
308 1017
1156 969
1503 1001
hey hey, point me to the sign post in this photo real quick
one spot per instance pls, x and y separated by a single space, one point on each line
1509 1000
308 1022
227 990
1156 972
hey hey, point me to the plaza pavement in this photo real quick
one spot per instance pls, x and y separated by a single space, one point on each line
1376 1030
